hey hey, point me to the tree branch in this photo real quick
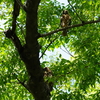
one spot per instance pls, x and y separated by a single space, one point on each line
21 29
10 33
23 84
16 10
66 51
69 27
20 82
21 5
75 11
47 47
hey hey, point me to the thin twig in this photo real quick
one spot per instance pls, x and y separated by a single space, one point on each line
75 11
69 27
23 84
20 82
21 5
21 29
67 51
47 47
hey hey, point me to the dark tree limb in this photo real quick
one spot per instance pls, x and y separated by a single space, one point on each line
10 33
69 27
17 43
15 15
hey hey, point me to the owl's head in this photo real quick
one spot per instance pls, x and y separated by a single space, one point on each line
65 12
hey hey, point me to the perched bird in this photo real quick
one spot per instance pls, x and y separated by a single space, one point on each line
65 21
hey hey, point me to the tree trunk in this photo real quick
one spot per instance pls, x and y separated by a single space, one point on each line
30 55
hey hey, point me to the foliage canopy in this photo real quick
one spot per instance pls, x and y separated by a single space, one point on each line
77 78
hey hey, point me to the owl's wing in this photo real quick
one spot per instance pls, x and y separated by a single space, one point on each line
61 21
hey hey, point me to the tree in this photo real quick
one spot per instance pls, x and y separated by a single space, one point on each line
29 27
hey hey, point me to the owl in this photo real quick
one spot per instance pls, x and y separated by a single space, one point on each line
65 21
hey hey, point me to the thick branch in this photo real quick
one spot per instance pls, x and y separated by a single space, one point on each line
17 43
15 15
10 33
69 27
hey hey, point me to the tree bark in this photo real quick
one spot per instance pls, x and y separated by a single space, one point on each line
30 55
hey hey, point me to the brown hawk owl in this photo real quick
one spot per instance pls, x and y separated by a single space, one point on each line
65 21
